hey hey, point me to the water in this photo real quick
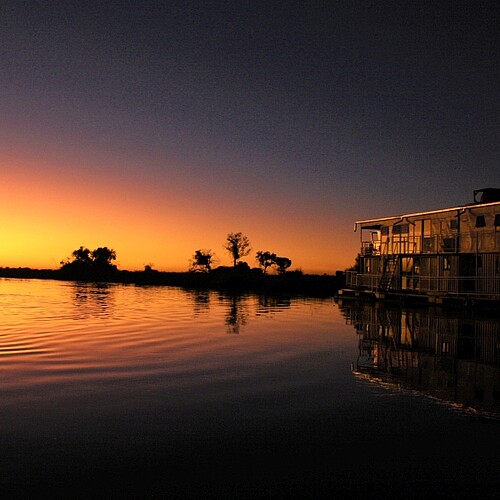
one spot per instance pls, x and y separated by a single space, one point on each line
112 391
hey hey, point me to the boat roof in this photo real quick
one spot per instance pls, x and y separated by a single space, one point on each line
376 223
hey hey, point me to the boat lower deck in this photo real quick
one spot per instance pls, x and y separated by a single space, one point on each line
426 298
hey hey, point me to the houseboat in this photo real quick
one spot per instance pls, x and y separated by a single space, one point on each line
435 255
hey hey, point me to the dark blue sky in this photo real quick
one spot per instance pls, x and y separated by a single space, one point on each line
340 110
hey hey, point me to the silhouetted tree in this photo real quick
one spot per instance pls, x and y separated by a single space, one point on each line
265 259
202 261
242 267
82 255
84 261
80 260
282 263
238 246
102 257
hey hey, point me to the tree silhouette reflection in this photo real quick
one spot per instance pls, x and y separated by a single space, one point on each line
92 299
237 312
268 305
201 301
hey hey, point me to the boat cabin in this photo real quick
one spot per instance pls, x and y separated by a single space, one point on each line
441 253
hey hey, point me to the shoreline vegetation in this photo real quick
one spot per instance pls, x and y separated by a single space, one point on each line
239 278
97 266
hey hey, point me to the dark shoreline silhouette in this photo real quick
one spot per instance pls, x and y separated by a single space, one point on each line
227 279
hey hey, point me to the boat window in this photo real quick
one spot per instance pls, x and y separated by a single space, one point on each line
406 265
497 220
480 221
426 227
401 229
384 230
448 244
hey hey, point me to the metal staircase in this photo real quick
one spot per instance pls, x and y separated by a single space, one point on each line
389 270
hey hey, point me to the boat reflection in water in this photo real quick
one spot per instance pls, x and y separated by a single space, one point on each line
449 355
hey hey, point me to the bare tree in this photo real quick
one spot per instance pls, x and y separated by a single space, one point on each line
202 261
238 246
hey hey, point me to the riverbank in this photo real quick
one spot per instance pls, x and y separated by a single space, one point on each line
223 279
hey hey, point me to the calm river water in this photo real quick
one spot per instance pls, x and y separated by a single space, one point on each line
113 391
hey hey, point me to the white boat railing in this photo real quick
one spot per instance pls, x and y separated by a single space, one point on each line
459 286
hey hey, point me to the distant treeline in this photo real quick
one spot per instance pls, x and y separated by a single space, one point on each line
97 266
239 278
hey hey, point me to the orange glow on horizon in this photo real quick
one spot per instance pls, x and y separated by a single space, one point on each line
47 211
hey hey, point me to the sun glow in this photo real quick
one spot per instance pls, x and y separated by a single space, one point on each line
50 209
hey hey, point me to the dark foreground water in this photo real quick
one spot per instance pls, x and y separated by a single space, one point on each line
127 392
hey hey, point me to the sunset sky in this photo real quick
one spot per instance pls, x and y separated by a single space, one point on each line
156 128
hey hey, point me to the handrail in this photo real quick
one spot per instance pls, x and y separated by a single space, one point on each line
453 285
